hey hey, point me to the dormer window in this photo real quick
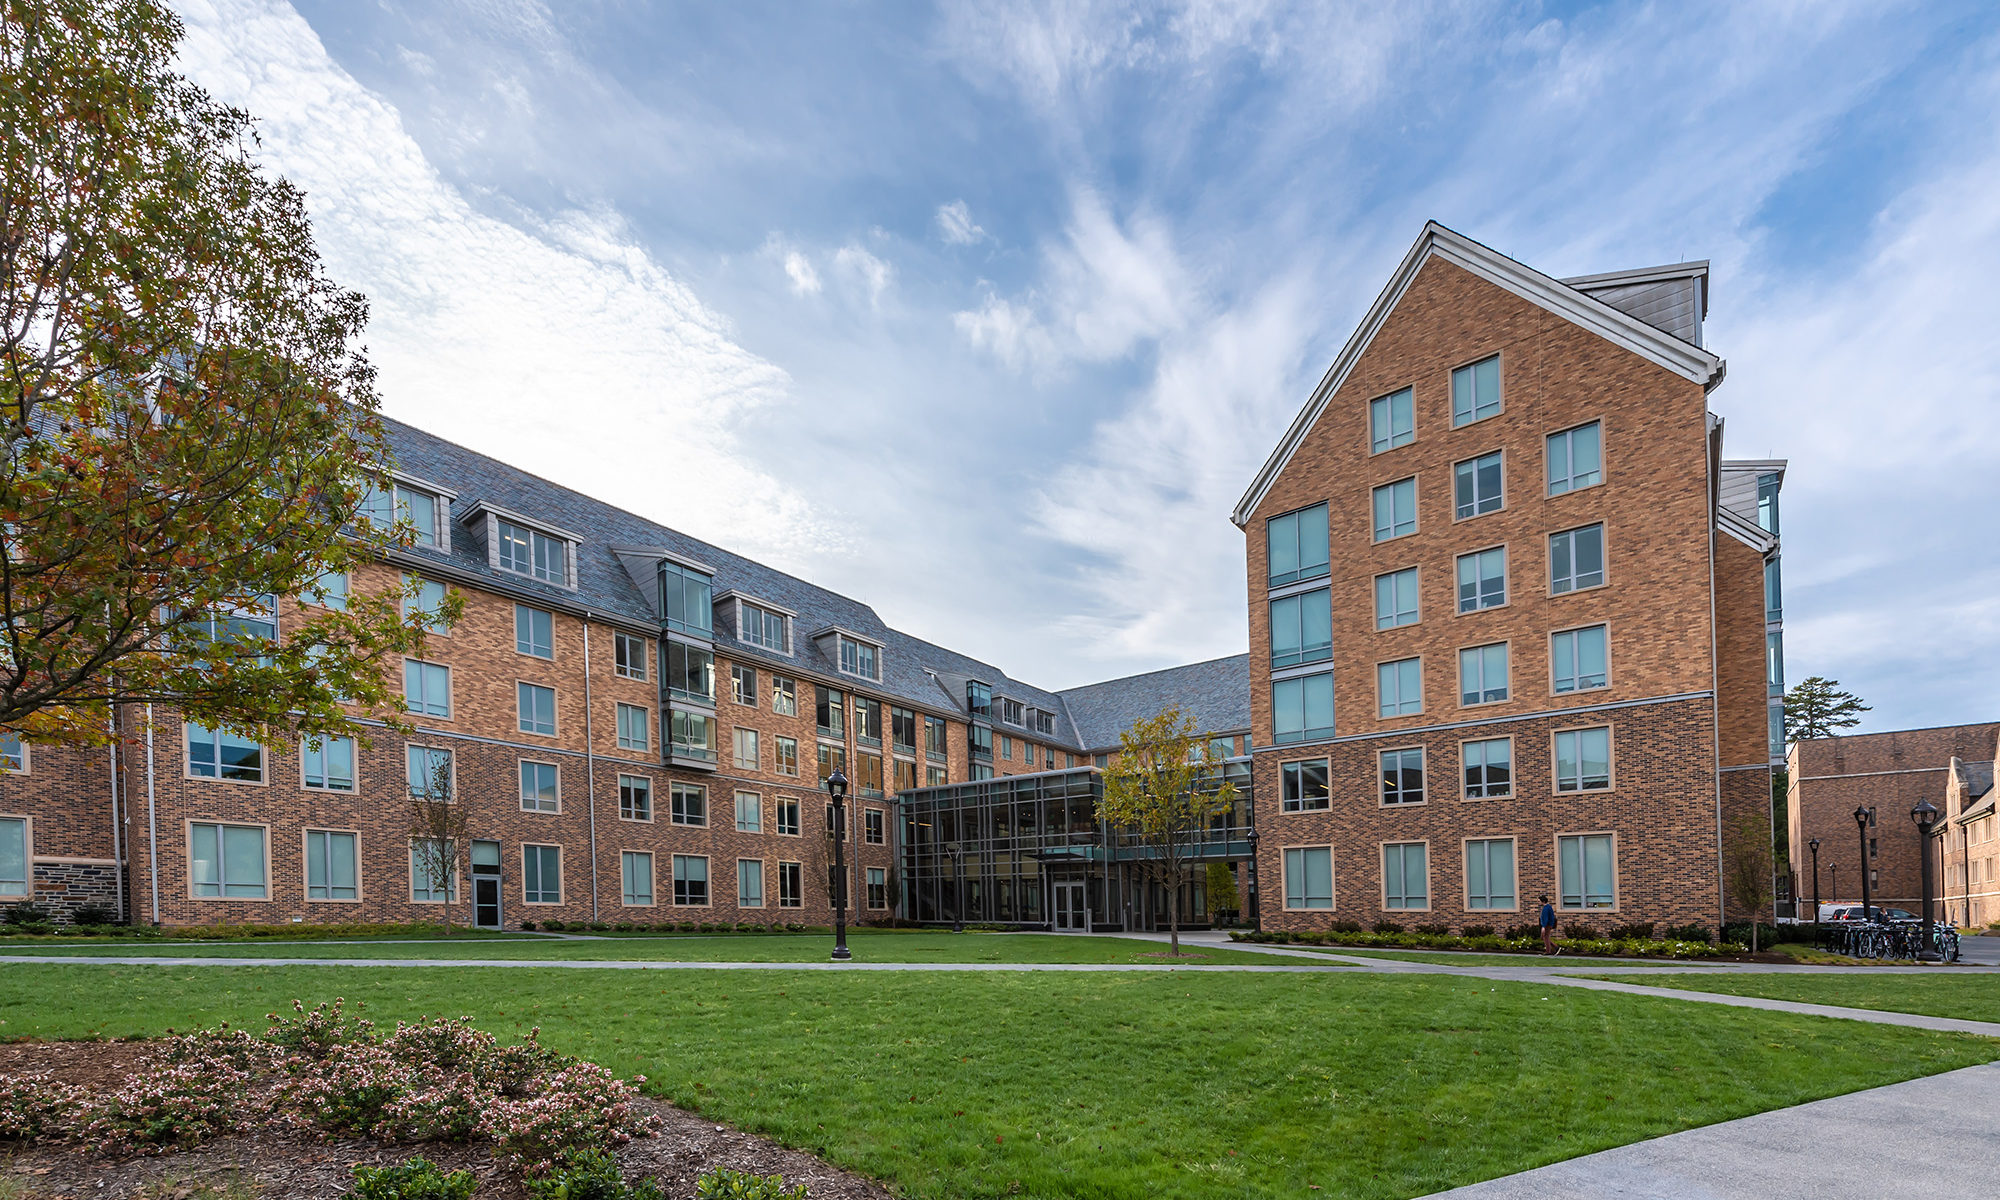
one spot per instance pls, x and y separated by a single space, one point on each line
386 503
979 699
762 627
859 658
1011 711
531 552
687 600
1045 723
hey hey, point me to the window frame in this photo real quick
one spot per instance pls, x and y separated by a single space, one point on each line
305 866
425 665
1499 387
684 576
27 879
1479 580
503 542
1285 879
1382 783
743 684
1375 526
1304 572
625 892
521 772
677 674
543 891
1382 866
757 806
451 884
707 882
1548 460
523 690
1573 632
876 889
741 900
1302 654
263 829
766 617
1382 694
843 642
1465 860
1507 649
216 735
784 695
1395 616
679 812
1378 444
1296 769
622 714
1305 733
874 827
625 810
797 880
779 806
1513 773
451 772
1473 462
1610 760
1603 558
622 658
756 762
528 647
779 759
353 766
1582 836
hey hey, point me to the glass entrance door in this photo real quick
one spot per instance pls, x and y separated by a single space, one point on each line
1072 914
486 885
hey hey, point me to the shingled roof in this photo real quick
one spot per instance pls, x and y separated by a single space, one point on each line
1215 693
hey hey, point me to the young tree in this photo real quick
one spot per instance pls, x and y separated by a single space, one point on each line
1817 708
1161 788
187 422
1222 893
1746 867
438 831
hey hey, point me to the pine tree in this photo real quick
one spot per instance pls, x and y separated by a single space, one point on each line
1817 708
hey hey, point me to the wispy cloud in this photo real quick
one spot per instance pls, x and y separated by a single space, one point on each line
955 224
871 273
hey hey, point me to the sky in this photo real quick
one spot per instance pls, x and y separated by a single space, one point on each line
987 313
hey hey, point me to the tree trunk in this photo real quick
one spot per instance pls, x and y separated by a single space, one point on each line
1174 911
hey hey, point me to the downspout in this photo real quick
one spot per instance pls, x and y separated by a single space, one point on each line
117 820
590 767
152 820
1711 454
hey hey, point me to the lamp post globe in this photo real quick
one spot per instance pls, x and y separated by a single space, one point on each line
1861 828
836 790
1925 814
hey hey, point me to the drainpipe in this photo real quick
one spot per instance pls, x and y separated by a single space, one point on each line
117 822
152 820
590 767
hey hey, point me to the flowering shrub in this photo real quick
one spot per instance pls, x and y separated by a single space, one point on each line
579 1107
173 1106
36 1106
1592 947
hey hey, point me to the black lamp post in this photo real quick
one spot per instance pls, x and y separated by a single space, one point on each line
1256 913
958 887
1925 814
836 787
1813 845
1861 827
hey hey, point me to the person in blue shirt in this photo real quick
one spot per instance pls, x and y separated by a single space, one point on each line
1549 928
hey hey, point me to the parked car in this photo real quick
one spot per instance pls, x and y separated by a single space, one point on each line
1852 912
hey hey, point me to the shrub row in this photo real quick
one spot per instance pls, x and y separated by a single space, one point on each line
670 927
1514 942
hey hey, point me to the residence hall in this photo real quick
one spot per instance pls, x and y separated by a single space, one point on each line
1512 615
639 723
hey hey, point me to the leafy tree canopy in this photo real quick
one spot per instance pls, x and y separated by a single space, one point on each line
1817 708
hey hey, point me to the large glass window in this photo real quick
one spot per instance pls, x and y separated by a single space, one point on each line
1767 503
830 711
905 775
1482 579
745 750
1583 759
1588 871
328 764
692 735
1403 776
1489 873
13 856
1489 768
690 804
636 867
687 600
1777 731
531 552
831 758
1395 509
935 746
427 603
743 684
691 672
749 883
1477 485
761 627
1400 686
427 688
1406 881
424 888
1482 674
540 791
1774 598
868 774
429 771
690 880
749 812
1579 657
331 873
785 815
867 721
1396 599
1475 391
536 708
979 699
1392 422
859 658
1774 662
1302 708
1309 877
791 885
1304 784
1575 459
541 874
227 861
386 504
785 755
220 754
1576 559
903 729
784 696
1302 628
1296 546
635 728
629 655
534 631
635 798
979 741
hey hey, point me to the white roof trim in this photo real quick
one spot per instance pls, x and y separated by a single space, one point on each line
535 523
1688 361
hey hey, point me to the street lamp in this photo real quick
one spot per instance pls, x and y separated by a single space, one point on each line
958 887
1861 827
1813 845
836 787
1256 913
1925 814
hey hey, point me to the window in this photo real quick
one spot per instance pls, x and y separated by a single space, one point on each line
1403 776
690 880
749 883
867 721
1583 760
686 600
934 776
1767 504
762 627
1006 748
1392 422
1302 628
978 699
979 741
235 629
1405 876
1576 559
874 827
1305 784
1302 708
635 728
743 684
330 866
689 804
531 552
1579 657
541 874
636 867
1482 674
1396 599
387 504
1045 723
868 774
878 887
934 738
1575 459
13 754
1482 579
791 885
1774 662
858 658
903 729
534 631
691 735
980 771
427 688
1395 509
536 707
328 764
749 812
1777 731
1475 391
786 817
13 856
423 888
831 759
227 861
690 672
1489 873
1400 686
1774 599
219 754
1489 768
1309 877
785 755
1476 484
328 591
629 651
1296 546
540 789
635 798
837 828
830 711
430 772
746 757
1219 747
784 696
1586 865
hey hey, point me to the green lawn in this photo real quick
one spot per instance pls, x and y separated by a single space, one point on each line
867 945
1967 997
1467 958
1120 1085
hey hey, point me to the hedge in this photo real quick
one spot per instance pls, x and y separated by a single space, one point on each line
1583 947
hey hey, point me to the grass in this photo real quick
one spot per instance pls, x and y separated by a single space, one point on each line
1100 1085
1466 958
868 946
1967 997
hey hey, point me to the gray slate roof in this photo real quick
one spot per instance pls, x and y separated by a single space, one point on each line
1215 693
1978 777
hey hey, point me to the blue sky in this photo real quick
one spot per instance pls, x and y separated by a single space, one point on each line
987 313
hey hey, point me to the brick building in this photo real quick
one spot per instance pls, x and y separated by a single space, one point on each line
1508 614
638 722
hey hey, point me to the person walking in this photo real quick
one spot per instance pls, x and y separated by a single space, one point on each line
1549 928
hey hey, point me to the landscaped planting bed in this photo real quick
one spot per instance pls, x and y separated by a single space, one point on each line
1587 947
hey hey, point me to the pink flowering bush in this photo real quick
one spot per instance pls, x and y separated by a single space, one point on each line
174 1105
579 1107
33 1107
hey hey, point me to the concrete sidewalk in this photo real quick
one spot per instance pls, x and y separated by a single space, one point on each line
1927 1139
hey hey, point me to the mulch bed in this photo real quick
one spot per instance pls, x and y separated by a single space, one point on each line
288 1163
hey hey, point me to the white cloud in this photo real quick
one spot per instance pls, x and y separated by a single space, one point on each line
956 225
799 269
870 272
